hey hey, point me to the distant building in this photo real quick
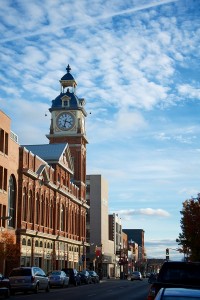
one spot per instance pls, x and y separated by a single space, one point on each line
115 235
101 253
137 236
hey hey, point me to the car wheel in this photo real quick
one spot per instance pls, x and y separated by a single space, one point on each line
7 295
36 289
47 289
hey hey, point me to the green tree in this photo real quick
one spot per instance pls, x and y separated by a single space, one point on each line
189 238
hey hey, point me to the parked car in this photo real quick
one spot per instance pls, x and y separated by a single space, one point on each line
177 293
58 278
24 279
94 276
4 281
74 277
136 275
177 275
4 291
152 278
85 277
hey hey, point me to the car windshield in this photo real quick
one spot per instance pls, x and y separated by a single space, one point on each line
181 274
20 272
55 273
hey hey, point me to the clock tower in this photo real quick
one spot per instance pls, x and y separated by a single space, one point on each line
68 126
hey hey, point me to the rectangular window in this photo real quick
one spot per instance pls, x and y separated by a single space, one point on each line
5 180
1 214
1 177
65 103
1 140
6 143
4 214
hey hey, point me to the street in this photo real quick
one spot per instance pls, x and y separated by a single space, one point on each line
113 289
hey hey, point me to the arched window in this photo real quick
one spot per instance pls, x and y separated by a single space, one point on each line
29 242
41 244
47 213
51 214
37 209
66 219
12 201
58 177
58 217
30 207
24 205
24 241
36 243
42 211
62 217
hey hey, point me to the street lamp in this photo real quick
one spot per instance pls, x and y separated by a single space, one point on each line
120 261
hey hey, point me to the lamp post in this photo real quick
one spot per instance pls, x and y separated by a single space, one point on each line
120 261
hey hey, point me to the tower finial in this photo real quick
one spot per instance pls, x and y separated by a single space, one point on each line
68 69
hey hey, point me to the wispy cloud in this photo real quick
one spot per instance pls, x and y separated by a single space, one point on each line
86 19
144 211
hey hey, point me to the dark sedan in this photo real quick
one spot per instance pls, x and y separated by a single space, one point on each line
85 277
94 276
58 278
4 286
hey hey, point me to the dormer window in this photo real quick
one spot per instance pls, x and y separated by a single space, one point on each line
66 101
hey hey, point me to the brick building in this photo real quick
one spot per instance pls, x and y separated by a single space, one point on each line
9 160
49 200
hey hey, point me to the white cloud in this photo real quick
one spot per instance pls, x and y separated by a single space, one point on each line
189 91
144 211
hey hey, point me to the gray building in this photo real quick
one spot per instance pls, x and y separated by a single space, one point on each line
100 255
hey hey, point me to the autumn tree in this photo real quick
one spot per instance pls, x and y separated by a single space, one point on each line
9 250
189 238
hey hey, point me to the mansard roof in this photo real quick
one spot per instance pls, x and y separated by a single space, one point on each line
52 153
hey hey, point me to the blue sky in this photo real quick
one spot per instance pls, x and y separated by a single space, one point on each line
137 65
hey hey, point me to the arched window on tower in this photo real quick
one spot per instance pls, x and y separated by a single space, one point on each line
12 201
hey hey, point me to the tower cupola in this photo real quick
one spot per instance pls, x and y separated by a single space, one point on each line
68 81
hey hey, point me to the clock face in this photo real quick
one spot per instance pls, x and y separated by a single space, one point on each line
65 121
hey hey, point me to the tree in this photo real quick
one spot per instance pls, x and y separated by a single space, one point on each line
9 250
189 238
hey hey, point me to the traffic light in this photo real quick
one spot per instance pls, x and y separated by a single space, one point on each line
167 254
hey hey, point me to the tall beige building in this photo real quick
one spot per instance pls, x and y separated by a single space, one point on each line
101 253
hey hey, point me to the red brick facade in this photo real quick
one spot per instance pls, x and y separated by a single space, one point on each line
49 200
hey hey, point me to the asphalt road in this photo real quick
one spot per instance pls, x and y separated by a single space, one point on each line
106 290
